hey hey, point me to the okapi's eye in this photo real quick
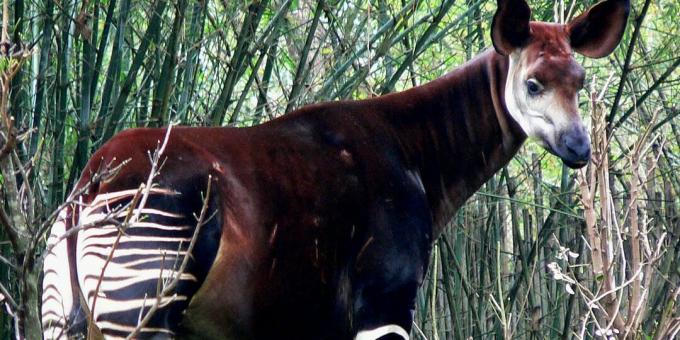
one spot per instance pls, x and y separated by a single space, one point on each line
534 87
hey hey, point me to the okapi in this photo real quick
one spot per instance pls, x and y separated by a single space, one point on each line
322 220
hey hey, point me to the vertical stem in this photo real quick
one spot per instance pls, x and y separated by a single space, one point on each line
5 20
433 296
87 73
150 75
236 68
159 105
152 31
113 71
45 46
58 132
18 102
192 49
108 22
635 260
264 84
299 79
447 276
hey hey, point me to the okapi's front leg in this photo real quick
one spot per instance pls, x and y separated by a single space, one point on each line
390 265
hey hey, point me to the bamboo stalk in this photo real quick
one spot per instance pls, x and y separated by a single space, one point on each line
87 74
299 79
152 31
113 71
625 69
419 46
164 87
18 96
192 50
236 66
103 42
263 86
45 46
58 132
270 39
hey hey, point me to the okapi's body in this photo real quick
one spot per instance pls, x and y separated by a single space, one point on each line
321 221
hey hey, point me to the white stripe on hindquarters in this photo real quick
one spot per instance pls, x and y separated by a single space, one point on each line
158 239
57 299
376 333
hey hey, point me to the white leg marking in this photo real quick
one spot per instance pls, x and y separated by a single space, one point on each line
373 334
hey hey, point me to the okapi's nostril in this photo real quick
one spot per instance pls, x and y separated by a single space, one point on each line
577 145
579 151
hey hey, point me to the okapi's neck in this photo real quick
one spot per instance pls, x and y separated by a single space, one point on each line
456 131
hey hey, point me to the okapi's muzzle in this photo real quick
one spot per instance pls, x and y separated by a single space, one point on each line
573 146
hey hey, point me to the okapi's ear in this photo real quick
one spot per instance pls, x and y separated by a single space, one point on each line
597 32
510 27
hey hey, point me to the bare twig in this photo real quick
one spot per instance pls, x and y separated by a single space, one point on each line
7 298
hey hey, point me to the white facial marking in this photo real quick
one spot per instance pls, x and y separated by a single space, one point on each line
376 333
542 116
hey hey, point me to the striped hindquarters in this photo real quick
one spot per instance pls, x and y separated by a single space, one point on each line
123 268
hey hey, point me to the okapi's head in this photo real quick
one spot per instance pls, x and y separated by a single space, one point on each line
541 91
